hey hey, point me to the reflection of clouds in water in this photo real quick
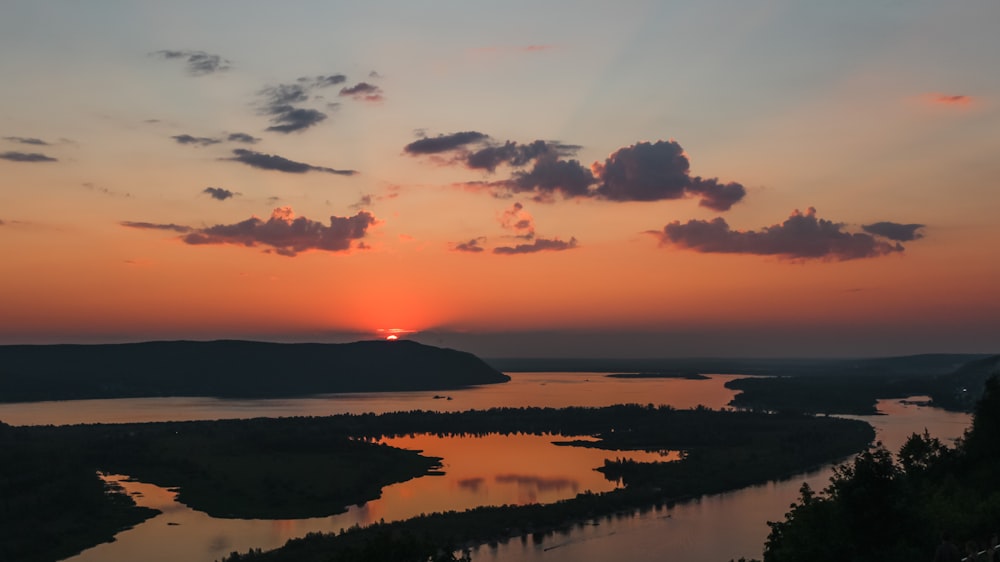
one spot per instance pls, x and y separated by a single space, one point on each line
471 484
540 483
219 543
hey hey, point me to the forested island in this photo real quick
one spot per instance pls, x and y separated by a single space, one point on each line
230 369
301 467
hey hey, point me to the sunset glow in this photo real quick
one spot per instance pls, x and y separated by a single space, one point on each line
617 186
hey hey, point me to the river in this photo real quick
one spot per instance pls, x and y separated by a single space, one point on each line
487 470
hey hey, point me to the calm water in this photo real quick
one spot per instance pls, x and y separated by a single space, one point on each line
479 471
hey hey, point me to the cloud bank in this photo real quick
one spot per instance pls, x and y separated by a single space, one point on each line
802 236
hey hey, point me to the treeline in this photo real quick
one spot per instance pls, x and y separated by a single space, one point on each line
883 507
857 391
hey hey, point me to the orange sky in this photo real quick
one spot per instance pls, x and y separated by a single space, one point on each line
413 155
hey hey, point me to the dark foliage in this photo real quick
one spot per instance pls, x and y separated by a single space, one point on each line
878 507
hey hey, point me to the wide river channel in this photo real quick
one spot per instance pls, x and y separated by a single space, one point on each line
490 470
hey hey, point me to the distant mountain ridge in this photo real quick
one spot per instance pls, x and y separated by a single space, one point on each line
231 368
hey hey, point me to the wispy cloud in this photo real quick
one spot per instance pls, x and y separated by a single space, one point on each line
473 246
26 157
955 100
243 138
363 91
195 141
802 236
273 162
894 230
157 226
27 140
538 245
198 63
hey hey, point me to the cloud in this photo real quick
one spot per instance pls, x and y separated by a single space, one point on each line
551 175
802 236
323 81
641 172
366 200
280 102
156 226
894 230
218 193
286 233
198 62
26 157
274 162
472 246
106 191
949 99
519 221
656 171
196 141
242 137
363 91
444 143
295 119
27 140
539 245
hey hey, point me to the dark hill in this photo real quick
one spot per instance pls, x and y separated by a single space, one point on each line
232 369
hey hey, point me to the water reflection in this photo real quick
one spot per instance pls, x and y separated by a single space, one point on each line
553 390
486 470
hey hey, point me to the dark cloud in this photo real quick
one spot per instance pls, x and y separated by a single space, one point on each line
551 175
472 246
286 233
279 102
656 171
949 99
27 140
295 119
26 157
218 193
363 91
894 230
274 162
516 155
155 226
242 137
641 172
196 141
198 62
802 236
444 143
539 245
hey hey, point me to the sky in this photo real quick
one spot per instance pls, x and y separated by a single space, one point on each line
539 179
